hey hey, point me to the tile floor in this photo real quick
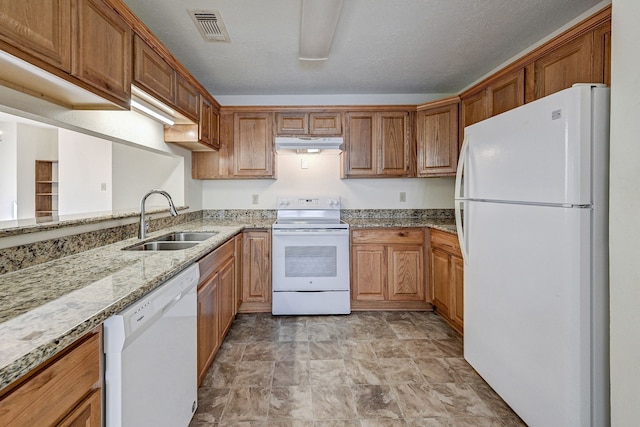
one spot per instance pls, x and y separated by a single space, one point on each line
366 369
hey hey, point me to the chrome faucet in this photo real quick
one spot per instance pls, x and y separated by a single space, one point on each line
144 225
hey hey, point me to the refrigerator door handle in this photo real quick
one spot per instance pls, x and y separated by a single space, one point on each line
459 199
461 164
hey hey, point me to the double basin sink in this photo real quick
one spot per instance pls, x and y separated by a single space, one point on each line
173 241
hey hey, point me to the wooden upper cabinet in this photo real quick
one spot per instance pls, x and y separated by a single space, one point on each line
208 127
253 145
561 68
377 144
187 100
394 144
473 109
152 73
437 138
39 29
325 124
292 123
308 124
506 93
602 54
360 154
103 46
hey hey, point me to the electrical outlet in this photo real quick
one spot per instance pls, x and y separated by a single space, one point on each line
403 196
103 186
255 199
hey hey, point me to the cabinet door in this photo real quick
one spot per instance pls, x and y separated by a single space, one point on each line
506 93
292 123
253 144
602 54
40 29
86 414
473 109
360 155
152 73
237 286
103 50
226 288
394 144
207 325
440 281
187 98
457 283
256 267
437 139
405 273
563 67
368 273
325 124
54 391
205 128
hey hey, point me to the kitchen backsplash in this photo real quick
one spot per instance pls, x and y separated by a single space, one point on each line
347 214
27 255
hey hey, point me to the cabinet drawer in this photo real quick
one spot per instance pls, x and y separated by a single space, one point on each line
49 395
214 260
445 241
388 236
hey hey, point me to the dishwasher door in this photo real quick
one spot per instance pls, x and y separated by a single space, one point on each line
151 357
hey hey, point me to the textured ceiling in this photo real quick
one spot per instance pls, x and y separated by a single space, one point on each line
380 46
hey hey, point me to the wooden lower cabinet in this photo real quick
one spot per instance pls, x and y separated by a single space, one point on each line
65 391
447 278
256 272
87 413
216 307
387 269
208 337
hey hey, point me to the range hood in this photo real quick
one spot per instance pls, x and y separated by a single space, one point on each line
303 145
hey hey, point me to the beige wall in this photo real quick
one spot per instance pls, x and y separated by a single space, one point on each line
625 215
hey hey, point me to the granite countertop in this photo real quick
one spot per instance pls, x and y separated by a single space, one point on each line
46 307
447 225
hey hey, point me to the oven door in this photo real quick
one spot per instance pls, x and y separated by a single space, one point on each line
310 260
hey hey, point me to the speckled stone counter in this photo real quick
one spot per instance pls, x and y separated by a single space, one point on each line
441 219
46 307
447 225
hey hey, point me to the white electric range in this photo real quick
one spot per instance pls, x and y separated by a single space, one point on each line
310 257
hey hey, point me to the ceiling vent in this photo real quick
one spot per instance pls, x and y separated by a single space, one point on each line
210 25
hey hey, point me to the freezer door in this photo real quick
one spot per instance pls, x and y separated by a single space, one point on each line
537 153
527 312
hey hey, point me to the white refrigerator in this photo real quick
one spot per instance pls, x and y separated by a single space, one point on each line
532 215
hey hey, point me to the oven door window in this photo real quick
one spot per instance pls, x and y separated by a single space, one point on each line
310 261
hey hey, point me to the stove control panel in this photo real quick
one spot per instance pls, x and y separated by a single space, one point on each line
308 202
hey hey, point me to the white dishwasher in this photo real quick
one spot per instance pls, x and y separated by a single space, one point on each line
151 358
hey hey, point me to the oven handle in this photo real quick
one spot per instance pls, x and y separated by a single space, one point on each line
310 233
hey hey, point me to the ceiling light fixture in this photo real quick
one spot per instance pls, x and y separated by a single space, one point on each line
317 27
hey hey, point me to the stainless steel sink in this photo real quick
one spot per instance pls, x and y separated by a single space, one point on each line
186 236
160 246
